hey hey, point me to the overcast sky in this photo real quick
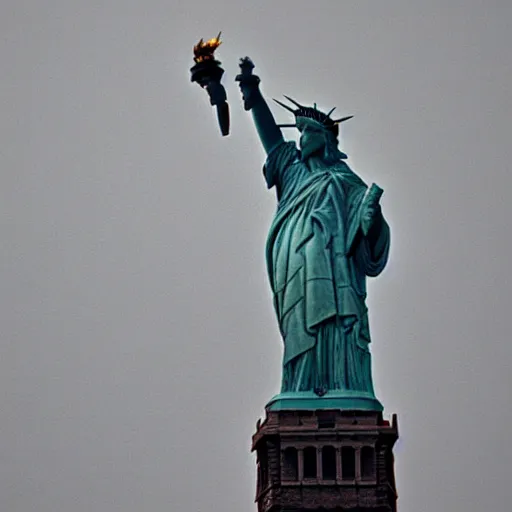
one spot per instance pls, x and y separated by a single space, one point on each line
138 341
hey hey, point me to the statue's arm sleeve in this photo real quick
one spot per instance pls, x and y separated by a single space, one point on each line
268 131
266 126
373 249
278 161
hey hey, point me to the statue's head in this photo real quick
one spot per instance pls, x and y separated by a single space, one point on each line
315 139
319 132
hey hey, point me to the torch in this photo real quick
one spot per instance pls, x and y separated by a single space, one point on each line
208 73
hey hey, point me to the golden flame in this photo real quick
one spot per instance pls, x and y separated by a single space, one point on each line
204 50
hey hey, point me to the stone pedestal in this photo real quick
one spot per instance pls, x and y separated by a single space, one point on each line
325 460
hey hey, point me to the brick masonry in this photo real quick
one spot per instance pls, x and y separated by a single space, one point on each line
363 482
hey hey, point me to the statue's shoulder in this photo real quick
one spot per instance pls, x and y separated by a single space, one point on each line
342 169
280 160
283 147
282 155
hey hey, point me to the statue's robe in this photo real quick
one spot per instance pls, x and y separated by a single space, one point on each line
318 260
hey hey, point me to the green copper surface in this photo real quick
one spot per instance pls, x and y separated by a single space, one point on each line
309 401
328 235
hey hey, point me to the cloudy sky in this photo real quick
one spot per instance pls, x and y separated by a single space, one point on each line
138 341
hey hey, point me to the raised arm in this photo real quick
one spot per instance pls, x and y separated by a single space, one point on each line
268 131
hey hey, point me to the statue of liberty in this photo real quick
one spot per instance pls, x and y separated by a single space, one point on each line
327 236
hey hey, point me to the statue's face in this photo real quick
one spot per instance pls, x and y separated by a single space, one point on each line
312 138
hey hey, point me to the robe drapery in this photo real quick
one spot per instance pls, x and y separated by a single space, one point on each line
317 261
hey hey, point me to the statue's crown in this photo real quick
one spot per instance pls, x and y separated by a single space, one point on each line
313 113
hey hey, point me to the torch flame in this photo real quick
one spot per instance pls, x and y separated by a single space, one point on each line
204 51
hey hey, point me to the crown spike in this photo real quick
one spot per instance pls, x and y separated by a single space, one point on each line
290 109
293 101
312 113
337 121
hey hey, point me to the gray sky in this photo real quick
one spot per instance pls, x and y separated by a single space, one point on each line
139 344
